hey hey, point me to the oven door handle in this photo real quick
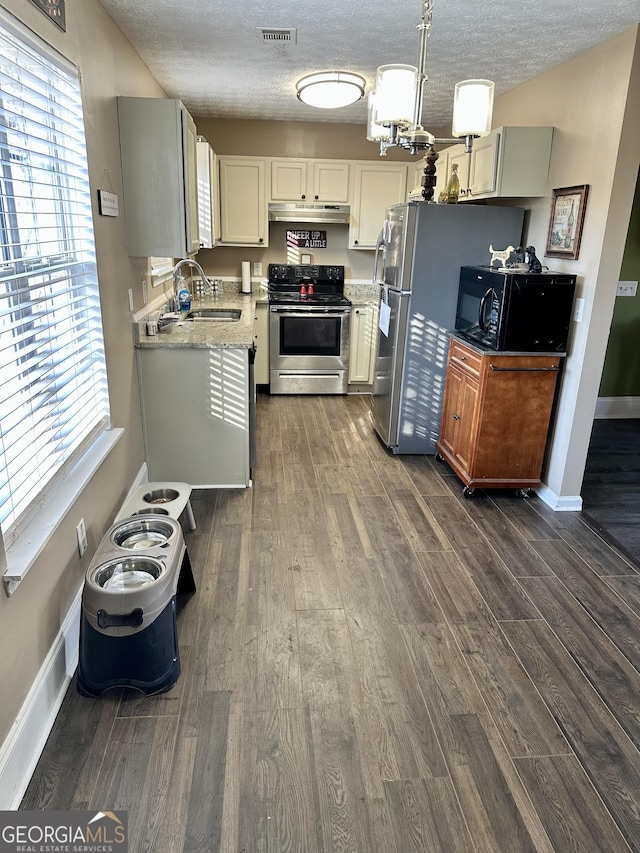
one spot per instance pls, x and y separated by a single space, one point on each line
308 312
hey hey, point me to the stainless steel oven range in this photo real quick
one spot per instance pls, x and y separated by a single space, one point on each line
309 321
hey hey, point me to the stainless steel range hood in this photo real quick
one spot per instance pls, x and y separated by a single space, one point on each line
313 214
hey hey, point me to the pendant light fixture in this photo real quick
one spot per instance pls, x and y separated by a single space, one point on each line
395 107
330 90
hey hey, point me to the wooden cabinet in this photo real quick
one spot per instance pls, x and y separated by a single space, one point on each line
495 416
159 174
310 180
208 195
377 185
511 162
243 201
362 343
261 336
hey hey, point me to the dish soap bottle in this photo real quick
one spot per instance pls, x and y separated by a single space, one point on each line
184 296
453 185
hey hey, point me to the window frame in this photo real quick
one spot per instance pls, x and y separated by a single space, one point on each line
27 535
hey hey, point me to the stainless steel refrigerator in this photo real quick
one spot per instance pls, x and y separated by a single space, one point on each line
421 250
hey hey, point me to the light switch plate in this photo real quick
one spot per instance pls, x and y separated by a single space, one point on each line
257 268
578 308
627 288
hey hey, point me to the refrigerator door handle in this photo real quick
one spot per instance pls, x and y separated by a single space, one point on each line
380 243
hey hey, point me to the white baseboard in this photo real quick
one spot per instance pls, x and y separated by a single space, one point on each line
617 407
23 746
559 503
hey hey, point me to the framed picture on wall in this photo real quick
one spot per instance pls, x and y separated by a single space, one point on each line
565 223
54 9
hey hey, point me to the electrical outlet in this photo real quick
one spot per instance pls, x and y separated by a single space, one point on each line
257 268
578 308
82 537
627 288
143 282
130 294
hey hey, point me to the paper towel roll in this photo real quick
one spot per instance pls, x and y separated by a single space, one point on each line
246 277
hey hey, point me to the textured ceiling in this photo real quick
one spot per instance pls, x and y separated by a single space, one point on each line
207 53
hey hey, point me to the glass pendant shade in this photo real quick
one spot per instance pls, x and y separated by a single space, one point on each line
330 90
375 131
472 108
395 94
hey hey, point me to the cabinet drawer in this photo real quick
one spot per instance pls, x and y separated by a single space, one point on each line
467 360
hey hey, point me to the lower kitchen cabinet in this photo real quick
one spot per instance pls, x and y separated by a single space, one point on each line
261 335
196 414
495 416
362 343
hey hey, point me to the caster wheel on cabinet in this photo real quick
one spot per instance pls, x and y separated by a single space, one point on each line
439 457
523 493
468 492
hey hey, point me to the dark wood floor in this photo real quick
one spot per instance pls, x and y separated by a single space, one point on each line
611 488
373 663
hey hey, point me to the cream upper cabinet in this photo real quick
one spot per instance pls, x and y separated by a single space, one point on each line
511 162
243 201
377 185
310 180
159 174
208 196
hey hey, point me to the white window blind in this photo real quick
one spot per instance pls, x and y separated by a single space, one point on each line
53 384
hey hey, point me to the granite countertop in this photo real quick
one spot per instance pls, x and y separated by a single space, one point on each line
207 334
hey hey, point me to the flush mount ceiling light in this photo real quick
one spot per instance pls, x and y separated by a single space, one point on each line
330 90
395 107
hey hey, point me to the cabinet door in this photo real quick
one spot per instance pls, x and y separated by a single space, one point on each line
158 156
289 180
330 181
243 207
484 164
362 343
207 213
190 144
458 416
376 187
261 335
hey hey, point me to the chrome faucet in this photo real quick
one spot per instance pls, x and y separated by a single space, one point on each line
175 278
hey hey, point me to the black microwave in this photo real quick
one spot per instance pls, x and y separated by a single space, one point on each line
515 311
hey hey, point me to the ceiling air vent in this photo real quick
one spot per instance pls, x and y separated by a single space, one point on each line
277 35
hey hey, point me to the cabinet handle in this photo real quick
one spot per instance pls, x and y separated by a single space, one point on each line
316 197
261 240
304 196
456 417
463 358
553 369
355 242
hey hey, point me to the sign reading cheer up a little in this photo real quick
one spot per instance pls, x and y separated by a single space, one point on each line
307 239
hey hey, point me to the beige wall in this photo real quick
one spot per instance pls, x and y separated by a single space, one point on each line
31 618
592 101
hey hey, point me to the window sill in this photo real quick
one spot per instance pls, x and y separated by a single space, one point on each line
23 553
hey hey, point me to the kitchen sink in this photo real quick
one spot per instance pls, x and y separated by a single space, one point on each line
215 314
